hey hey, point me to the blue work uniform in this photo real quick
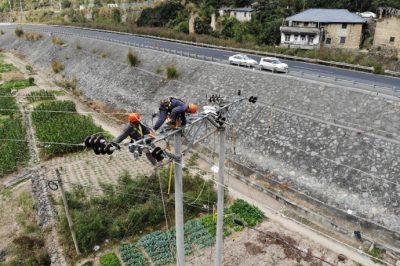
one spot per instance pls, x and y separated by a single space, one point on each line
174 108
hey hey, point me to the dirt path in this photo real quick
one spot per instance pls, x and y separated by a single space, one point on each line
87 169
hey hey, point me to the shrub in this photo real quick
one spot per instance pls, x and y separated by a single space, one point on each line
57 40
249 213
19 32
57 66
378 69
31 80
88 263
104 55
29 68
109 259
78 45
133 58
1 32
172 73
33 36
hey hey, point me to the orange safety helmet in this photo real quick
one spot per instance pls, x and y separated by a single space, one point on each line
134 117
192 108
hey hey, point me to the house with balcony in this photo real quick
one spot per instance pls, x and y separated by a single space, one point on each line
387 33
316 28
242 14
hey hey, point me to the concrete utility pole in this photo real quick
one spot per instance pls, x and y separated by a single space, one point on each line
220 203
70 223
180 246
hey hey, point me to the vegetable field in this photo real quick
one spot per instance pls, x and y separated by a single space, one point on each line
56 121
132 256
109 259
14 151
41 95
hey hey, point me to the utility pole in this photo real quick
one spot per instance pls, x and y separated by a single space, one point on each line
180 247
220 202
70 223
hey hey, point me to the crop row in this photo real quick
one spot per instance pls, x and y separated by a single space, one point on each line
132 256
57 122
41 95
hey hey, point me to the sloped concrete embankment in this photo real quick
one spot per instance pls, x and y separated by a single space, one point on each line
338 145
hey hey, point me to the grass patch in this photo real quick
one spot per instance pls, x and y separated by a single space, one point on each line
376 253
33 36
61 125
19 32
172 72
133 58
29 68
41 95
6 67
57 66
1 32
28 248
78 45
57 40
109 259
104 55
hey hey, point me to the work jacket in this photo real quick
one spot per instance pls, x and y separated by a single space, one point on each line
174 108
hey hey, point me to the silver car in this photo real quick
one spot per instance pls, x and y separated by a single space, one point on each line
273 64
242 60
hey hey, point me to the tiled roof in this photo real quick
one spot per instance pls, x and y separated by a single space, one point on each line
326 15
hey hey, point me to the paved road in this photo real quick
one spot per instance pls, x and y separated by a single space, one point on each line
308 69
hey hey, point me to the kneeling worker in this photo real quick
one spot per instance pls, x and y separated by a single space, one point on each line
175 110
137 131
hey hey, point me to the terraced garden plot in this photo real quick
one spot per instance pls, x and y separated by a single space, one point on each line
132 256
56 121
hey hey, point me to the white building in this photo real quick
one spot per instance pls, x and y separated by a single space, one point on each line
313 28
242 14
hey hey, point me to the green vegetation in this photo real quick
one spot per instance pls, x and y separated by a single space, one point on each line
28 248
13 153
88 263
109 259
78 45
376 253
250 214
19 32
133 58
17 84
131 255
56 121
41 95
130 207
5 67
172 73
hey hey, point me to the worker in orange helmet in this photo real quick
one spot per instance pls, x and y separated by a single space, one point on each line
174 109
136 131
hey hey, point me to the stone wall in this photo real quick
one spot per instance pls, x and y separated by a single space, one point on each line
352 33
336 144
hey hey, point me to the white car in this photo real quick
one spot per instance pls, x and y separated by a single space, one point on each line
273 64
242 60
367 14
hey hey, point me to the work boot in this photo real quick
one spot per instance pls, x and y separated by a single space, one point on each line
150 157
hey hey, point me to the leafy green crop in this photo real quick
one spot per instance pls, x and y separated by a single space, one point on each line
17 84
6 67
12 153
160 246
131 255
41 95
249 213
56 121
109 259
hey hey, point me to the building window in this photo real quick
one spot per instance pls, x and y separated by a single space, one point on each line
245 14
234 13
305 24
311 40
287 38
303 37
328 40
344 26
391 39
296 37
342 40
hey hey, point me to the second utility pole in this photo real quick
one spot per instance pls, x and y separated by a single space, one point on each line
220 203
180 247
